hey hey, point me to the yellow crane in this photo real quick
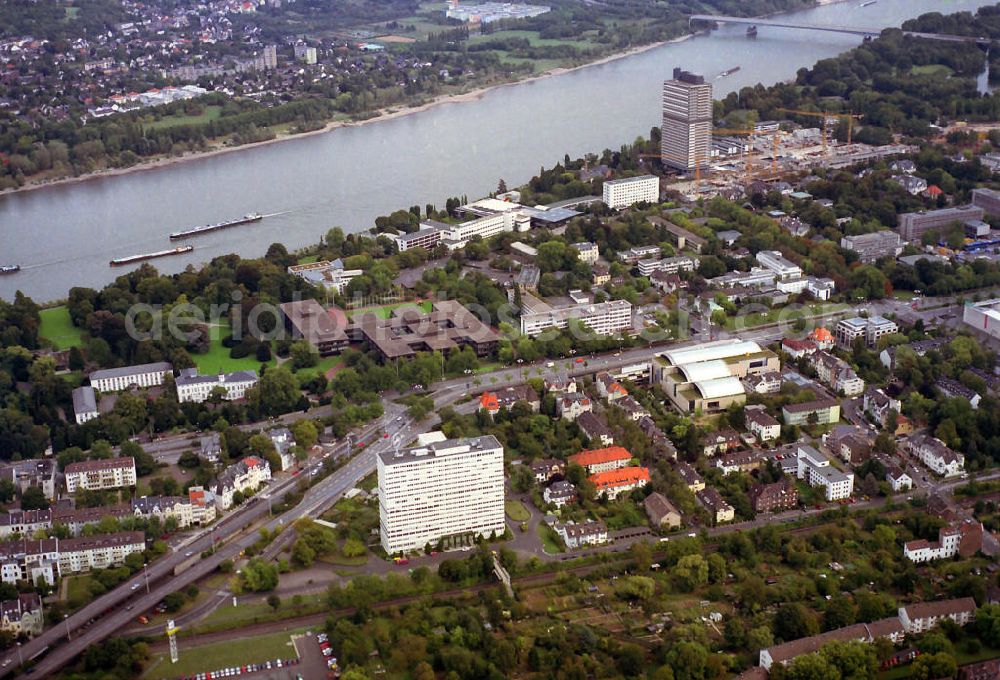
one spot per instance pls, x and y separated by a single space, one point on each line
752 134
849 117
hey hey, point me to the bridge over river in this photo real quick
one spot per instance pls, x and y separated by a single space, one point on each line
850 30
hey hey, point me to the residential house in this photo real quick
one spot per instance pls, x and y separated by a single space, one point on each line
632 408
580 535
85 404
821 411
761 424
164 508
837 374
602 460
609 388
721 441
22 615
781 495
244 476
891 629
545 469
661 512
963 538
898 479
953 389
691 477
560 383
663 448
595 428
798 348
24 474
492 402
283 442
98 475
718 508
853 448
763 383
936 455
572 404
815 469
613 483
559 494
741 461
879 405
194 387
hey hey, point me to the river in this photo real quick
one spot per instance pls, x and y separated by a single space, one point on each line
64 235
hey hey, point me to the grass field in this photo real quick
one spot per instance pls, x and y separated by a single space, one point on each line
932 70
516 511
550 539
384 311
308 259
531 36
57 328
236 652
322 366
217 358
209 114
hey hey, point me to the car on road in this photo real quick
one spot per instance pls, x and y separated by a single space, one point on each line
579 360
136 585
189 553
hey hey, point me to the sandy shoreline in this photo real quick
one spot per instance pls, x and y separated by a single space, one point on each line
383 115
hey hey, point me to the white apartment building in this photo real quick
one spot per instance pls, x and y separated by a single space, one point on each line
837 374
922 550
589 252
936 455
621 193
580 535
22 615
244 476
52 558
427 237
604 318
163 508
871 329
325 274
118 379
669 265
761 424
784 269
191 386
447 488
816 470
84 404
922 616
96 475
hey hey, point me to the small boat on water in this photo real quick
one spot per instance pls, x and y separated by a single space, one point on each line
118 261
10 269
729 72
867 3
246 219
752 32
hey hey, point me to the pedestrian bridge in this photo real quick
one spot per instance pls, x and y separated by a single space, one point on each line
850 30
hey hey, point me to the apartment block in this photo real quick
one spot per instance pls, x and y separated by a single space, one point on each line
588 252
96 475
871 330
446 488
427 237
583 534
988 200
922 616
912 226
936 455
781 495
621 193
761 424
22 615
245 476
837 374
963 538
602 460
815 469
118 379
717 507
668 265
52 558
614 483
603 318
874 246
324 331
783 268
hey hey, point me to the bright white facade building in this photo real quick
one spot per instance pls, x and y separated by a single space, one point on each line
96 475
621 193
449 488
816 470
783 268
117 379
198 388
604 318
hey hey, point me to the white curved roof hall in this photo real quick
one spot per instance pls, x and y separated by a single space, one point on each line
709 351
705 370
720 387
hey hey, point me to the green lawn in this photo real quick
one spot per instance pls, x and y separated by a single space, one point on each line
532 37
57 328
237 652
209 114
217 358
322 366
550 539
80 590
516 511
308 259
384 311
932 70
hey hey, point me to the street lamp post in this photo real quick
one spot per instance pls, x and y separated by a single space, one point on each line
66 621
145 573
20 659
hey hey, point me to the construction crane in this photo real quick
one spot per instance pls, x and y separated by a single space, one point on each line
753 134
850 117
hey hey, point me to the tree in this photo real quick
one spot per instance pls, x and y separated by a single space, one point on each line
793 621
931 666
988 624
34 498
840 612
303 355
691 572
258 576
811 667
306 433
273 601
642 555
277 391
353 548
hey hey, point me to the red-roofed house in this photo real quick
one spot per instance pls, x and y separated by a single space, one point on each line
798 348
616 482
602 460
933 191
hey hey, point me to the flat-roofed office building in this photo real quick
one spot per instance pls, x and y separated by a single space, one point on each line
446 488
686 134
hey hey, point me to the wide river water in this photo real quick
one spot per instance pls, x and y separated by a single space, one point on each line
65 235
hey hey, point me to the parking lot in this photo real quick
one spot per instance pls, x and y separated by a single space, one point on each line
313 662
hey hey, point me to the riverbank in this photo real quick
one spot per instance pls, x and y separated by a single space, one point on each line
381 115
